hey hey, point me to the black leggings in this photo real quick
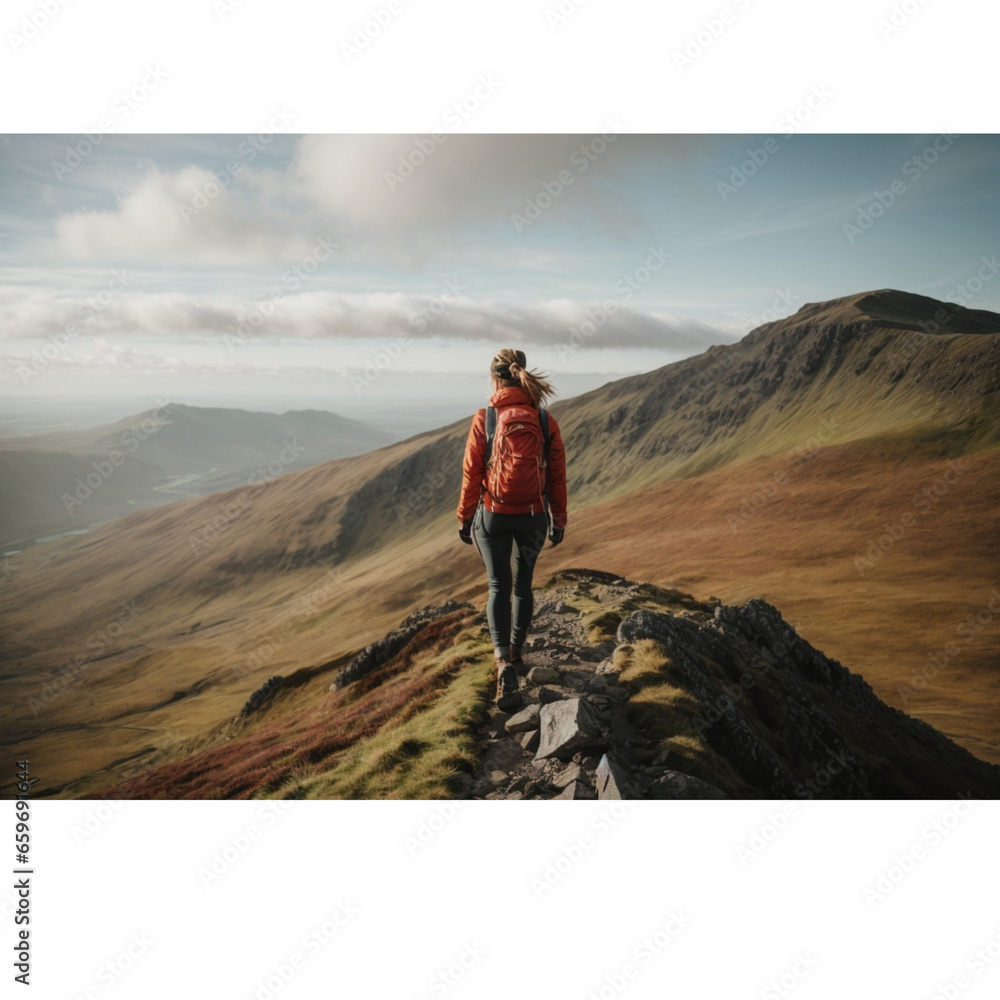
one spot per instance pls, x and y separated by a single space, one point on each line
496 537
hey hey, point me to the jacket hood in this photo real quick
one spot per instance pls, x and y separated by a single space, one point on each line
510 395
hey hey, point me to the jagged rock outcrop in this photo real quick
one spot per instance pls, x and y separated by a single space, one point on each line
382 650
262 695
677 785
698 700
745 653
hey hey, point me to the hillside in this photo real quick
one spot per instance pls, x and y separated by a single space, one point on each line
59 482
631 691
842 464
880 363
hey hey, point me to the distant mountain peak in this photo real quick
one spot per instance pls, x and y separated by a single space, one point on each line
891 308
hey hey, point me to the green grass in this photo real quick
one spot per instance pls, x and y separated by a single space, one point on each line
666 715
425 754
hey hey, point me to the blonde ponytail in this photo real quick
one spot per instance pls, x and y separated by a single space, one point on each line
508 367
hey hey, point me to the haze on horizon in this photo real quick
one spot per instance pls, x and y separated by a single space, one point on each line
366 274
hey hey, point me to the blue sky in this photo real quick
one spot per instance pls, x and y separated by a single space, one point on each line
166 249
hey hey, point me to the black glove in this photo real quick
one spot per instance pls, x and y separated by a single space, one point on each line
465 532
556 535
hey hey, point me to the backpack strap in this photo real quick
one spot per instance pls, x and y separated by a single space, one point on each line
491 429
543 419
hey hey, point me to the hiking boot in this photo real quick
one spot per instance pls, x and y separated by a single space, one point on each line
508 697
516 662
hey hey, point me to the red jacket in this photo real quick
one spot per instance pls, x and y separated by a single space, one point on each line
474 470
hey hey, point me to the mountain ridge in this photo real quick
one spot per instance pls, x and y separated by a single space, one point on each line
891 308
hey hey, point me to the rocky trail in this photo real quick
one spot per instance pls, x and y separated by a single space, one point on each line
572 739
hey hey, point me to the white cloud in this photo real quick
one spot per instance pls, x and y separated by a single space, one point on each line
461 179
186 216
324 314
390 198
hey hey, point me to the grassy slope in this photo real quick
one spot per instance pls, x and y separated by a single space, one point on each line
402 732
797 550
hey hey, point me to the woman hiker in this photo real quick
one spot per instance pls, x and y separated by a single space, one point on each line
513 495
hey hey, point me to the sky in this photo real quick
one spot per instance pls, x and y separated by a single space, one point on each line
376 275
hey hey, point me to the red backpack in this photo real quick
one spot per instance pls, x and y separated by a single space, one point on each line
517 454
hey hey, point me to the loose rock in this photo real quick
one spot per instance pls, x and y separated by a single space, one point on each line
525 720
543 675
612 781
567 726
